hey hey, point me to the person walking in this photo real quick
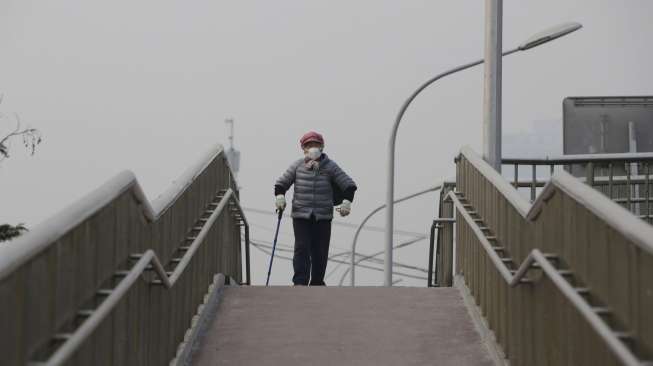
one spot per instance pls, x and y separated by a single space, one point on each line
319 185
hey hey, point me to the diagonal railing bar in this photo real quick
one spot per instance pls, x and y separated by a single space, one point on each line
75 340
378 253
267 249
604 331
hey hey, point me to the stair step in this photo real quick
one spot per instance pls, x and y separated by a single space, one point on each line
499 249
62 336
565 272
120 273
582 290
104 292
85 313
491 238
601 310
624 335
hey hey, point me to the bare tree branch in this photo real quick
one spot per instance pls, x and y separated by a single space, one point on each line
31 137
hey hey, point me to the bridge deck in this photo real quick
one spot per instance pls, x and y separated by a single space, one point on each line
341 326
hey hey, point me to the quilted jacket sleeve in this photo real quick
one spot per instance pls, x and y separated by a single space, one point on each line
286 180
343 181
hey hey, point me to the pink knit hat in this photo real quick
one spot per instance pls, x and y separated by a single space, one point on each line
311 136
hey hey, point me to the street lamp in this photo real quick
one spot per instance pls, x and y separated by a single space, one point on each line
352 259
534 41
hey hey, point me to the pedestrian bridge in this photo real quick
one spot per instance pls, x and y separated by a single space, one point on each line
560 276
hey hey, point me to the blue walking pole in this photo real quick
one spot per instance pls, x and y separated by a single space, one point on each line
274 246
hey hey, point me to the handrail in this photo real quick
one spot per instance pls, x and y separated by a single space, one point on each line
617 217
536 256
580 159
623 221
68 348
352 260
18 251
241 212
506 189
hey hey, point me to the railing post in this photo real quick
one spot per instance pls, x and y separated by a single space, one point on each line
649 216
248 279
431 250
534 183
444 247
589 174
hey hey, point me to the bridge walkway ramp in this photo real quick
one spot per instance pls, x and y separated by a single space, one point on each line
341 326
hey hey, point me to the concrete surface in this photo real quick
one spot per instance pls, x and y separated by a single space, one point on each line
341 326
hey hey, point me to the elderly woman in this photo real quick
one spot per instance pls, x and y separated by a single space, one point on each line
319 184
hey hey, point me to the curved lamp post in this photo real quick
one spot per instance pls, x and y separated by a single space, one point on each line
352 263
534 41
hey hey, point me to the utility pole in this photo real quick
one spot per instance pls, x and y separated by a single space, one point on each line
233 155
230 122
492 83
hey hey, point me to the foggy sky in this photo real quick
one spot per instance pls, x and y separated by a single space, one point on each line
146 86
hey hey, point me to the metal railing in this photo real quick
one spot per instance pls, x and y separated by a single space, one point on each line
352 260
114 279
565 280
624 178
441 243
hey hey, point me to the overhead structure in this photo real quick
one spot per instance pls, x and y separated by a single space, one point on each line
233 155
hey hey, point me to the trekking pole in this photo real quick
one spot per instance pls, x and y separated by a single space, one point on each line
274 246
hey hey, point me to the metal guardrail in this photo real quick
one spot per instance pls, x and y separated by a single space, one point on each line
536 260
75 340
70 292
586 299
352 259
625 178
440 273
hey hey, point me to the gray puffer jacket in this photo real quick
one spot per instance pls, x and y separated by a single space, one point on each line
313 190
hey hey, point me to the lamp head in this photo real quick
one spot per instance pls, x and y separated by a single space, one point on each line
549 35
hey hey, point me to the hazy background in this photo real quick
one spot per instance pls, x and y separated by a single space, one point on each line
146 86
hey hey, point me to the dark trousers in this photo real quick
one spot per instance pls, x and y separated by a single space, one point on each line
311 250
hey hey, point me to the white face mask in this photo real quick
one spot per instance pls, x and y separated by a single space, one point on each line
314 153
